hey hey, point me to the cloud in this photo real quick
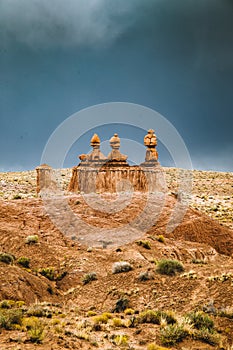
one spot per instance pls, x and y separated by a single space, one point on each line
45 23
94 23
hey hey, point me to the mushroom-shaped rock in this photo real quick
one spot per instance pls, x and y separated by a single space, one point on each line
115 154
95 157
150 141
115 141
95 140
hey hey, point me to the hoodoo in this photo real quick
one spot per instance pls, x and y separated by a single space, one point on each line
98 173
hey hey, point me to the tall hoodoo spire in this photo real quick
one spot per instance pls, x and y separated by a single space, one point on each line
150 141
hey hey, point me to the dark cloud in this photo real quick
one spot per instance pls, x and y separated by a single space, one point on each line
43 23
58 56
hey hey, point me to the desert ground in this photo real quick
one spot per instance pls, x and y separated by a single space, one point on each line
161 290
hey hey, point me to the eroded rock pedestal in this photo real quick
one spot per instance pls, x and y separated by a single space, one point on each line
111 178
44 180
97 173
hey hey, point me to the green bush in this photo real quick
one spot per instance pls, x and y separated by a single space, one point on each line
33 239
52 274
144 244
103 318
208 336
155 316
10 317
120 340
200 320
7 304
39 311
17 196
6 258
160 239
198 261
172 334
60 275
169 267
48 272
35 329
23 261
87 278
129 311
153 346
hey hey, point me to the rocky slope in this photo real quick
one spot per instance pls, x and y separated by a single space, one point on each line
69 285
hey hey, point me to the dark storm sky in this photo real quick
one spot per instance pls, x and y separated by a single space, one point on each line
57 57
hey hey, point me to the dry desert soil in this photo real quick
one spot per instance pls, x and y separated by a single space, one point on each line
99 283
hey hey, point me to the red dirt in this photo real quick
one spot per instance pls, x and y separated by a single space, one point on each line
197 237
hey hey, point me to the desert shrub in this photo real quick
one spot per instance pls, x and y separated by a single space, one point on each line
91 313
191 275
17 196
160 238
210 308
55 321
169 267
99 320
144 244
121 266
9 318
51 274
226 312
222 278
129 311
121 305
155 317
82 335
7 304
6 258
60 275
35 329
87 278
48 272
208 336
198 261
120 340
145 276
200 320
172 334
103 318
153 346
19 303
33 239
149 316
118 322
39 311
23 261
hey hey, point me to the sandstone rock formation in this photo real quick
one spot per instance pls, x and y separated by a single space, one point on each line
96 173
150 141
44 178
115 155
95 157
